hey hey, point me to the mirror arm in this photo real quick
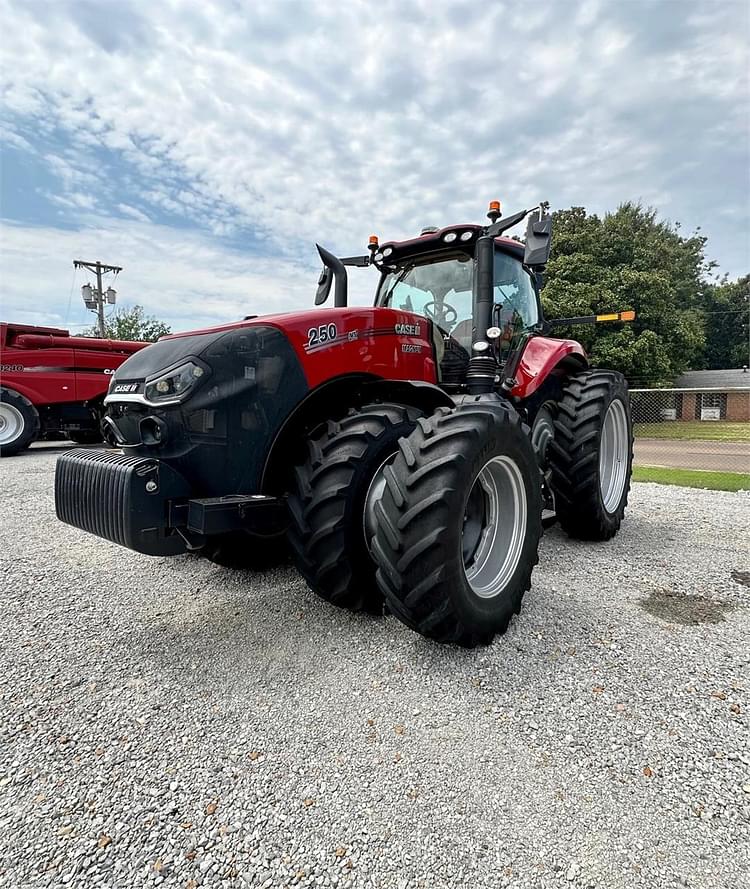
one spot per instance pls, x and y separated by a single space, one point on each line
360 262
497 228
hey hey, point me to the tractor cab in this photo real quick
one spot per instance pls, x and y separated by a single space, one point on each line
479 289
440 284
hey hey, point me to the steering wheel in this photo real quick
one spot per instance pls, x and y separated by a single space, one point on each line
446 317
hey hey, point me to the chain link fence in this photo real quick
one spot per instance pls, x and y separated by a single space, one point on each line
692 428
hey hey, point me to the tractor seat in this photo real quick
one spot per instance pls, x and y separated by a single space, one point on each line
463 333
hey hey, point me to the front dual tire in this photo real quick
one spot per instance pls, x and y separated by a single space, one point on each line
459 524
328 504
437 517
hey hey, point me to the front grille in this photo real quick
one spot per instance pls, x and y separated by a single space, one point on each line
120 498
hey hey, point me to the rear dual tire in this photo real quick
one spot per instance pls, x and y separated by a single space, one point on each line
591 455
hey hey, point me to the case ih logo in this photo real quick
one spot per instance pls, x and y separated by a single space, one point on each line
408 329
125 387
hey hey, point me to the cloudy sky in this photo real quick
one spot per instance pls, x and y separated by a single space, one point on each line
205 146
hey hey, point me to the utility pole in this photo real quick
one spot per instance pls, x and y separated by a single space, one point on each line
94 299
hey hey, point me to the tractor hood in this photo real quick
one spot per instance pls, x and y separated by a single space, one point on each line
212 401
315 337
205 345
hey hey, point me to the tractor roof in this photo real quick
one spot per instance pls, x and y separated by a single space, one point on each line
436 240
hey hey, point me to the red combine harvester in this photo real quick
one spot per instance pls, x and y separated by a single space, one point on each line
406 452
52 382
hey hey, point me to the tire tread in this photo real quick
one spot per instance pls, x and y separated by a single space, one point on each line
574 455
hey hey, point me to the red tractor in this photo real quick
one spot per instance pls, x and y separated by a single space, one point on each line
52 383
405 453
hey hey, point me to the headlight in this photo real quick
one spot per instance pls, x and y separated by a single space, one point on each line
175 384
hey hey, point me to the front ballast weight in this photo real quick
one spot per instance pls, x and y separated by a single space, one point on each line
145 504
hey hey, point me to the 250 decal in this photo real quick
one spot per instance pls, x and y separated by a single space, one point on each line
319 336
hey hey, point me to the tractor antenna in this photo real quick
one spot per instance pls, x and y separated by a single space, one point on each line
495 211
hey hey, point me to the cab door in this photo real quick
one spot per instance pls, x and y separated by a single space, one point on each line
516 305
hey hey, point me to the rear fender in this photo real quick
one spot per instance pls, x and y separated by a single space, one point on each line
543 356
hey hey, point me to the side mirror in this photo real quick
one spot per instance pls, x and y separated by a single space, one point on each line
324 286
333 269
538 239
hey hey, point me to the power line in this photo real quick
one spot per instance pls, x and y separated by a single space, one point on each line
70 295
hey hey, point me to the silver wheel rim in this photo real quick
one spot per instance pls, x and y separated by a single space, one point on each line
11 423
499 496
613 456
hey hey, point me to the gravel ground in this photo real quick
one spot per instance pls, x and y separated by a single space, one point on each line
168 722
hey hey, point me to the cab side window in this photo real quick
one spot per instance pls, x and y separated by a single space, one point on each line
514 297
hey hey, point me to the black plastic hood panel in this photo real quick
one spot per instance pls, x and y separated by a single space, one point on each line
218 437
163 354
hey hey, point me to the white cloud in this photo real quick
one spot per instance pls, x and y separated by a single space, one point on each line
15 140
307 121
133 212
181 277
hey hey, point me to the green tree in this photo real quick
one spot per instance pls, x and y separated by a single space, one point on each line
130 323
630 260
727 319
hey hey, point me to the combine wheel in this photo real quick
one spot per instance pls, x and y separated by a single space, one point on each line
591 455
19 423
459 523
328 503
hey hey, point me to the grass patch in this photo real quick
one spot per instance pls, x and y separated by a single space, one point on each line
694 430
693 478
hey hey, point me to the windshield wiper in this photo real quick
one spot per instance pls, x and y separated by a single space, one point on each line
406 269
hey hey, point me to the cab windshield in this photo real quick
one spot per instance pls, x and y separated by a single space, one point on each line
442 290
439 289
